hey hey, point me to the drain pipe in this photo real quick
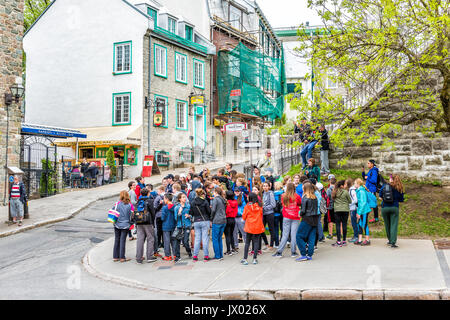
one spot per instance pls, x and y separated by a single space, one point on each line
148 100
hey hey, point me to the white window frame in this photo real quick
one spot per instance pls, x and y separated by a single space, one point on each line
119 100
120 56
160 60
199 74
182 117
180 67
174 25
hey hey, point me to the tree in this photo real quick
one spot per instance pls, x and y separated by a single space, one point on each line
110 161
395 53
33 9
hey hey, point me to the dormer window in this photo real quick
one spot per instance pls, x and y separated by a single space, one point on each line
172 25
154 14
189 33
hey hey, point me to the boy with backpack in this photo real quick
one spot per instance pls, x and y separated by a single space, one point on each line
144 217
168 226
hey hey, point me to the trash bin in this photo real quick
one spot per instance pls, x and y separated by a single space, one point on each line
14 171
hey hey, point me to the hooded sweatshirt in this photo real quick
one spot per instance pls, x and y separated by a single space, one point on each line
232 208
168 218
253 219
200 210
269 203
195 185
218 210
372 177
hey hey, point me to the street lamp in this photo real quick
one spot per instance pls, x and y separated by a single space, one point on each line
17 91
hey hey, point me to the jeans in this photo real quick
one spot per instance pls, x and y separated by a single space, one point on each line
216 235
239 227
187 233
278 226
120 238
229 231
354 221
255 239
319 233
306 152
289 229
16 208
169 243
201 235
159 232
145 233
306 234
325 167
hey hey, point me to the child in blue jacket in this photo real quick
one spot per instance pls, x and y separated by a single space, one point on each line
168 226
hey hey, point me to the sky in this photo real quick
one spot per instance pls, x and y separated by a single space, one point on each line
288 13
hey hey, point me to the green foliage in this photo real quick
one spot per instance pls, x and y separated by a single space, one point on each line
110 161
47 185
368 45
33 9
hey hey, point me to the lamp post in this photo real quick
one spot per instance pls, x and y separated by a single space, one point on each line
17 91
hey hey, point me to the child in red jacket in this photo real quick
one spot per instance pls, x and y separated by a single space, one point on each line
253 216
231 212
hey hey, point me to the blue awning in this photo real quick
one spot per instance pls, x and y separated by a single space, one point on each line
33 129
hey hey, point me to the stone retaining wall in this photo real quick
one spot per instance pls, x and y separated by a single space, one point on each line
414 156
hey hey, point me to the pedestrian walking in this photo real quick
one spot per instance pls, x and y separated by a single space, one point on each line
306 233
144 217
219 221
122 226
392 194
17 200
342 201
201 212
253 217
291 219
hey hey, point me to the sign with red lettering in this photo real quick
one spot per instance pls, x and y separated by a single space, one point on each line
235 93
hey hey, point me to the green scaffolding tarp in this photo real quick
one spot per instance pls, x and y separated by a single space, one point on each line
260 78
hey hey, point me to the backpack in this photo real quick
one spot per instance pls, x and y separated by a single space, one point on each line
324 204
141 214
278 206
380 181
388 194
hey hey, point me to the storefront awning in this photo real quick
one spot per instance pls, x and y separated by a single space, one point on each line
118 135
56 132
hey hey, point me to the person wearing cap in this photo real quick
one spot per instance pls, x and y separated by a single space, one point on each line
169 178
372 183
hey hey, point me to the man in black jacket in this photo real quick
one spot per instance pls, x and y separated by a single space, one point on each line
325 143
146 230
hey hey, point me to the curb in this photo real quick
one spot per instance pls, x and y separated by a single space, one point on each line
282 294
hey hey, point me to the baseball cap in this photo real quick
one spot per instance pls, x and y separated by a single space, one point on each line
169 176
331 176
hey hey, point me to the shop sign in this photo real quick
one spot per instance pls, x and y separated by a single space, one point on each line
234 127
197 99
158 118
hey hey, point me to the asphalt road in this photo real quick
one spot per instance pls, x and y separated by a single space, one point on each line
45 263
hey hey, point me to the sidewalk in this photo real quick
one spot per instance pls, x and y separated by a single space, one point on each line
66 205
413 271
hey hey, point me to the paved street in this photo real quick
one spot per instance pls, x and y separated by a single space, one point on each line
44 263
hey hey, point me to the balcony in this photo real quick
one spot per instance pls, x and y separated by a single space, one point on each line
181 40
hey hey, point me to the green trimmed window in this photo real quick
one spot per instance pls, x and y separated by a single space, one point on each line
154 14
161 105
199 74
182 115
189 33
172 25
122 57
122 108
180 67
160 58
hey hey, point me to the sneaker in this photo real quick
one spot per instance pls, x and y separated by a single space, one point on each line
190 255
152 259
336 244
206 258
195 258
389 243
353 239
217 259
259 252
139 261
293 255
366 243
176 260
357 242
343 243
302 258
255 261
265 248
244 262
394 245
275 247
228 253
277 255
329 236
308 258
157 255
235 251
322 240
167 258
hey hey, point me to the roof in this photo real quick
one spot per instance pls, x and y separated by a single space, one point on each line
130 135
57 132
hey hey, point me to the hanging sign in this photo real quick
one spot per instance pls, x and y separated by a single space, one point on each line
158 118
147 166
197 100
235 127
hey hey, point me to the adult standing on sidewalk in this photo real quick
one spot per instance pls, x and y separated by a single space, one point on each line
219 221
325 147
392 193
372 184
122 226
17 199
145 229
201 212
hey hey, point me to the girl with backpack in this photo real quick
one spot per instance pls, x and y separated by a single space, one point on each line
362 212
342 202
253 216
269 205
306 234
291 219
278 217
231 213
144 217
353 206
392 193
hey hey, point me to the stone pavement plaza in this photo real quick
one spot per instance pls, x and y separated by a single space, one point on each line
413 271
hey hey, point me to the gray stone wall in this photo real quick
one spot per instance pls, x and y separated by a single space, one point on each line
171 139
414 156
11 33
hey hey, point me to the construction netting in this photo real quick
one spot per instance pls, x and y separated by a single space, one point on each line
251 82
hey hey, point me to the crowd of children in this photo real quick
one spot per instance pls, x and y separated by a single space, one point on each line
196 208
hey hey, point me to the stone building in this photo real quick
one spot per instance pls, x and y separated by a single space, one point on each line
11 33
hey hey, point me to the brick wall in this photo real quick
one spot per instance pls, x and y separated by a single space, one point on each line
11 33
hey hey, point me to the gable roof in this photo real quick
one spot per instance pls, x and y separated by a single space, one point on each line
51 4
